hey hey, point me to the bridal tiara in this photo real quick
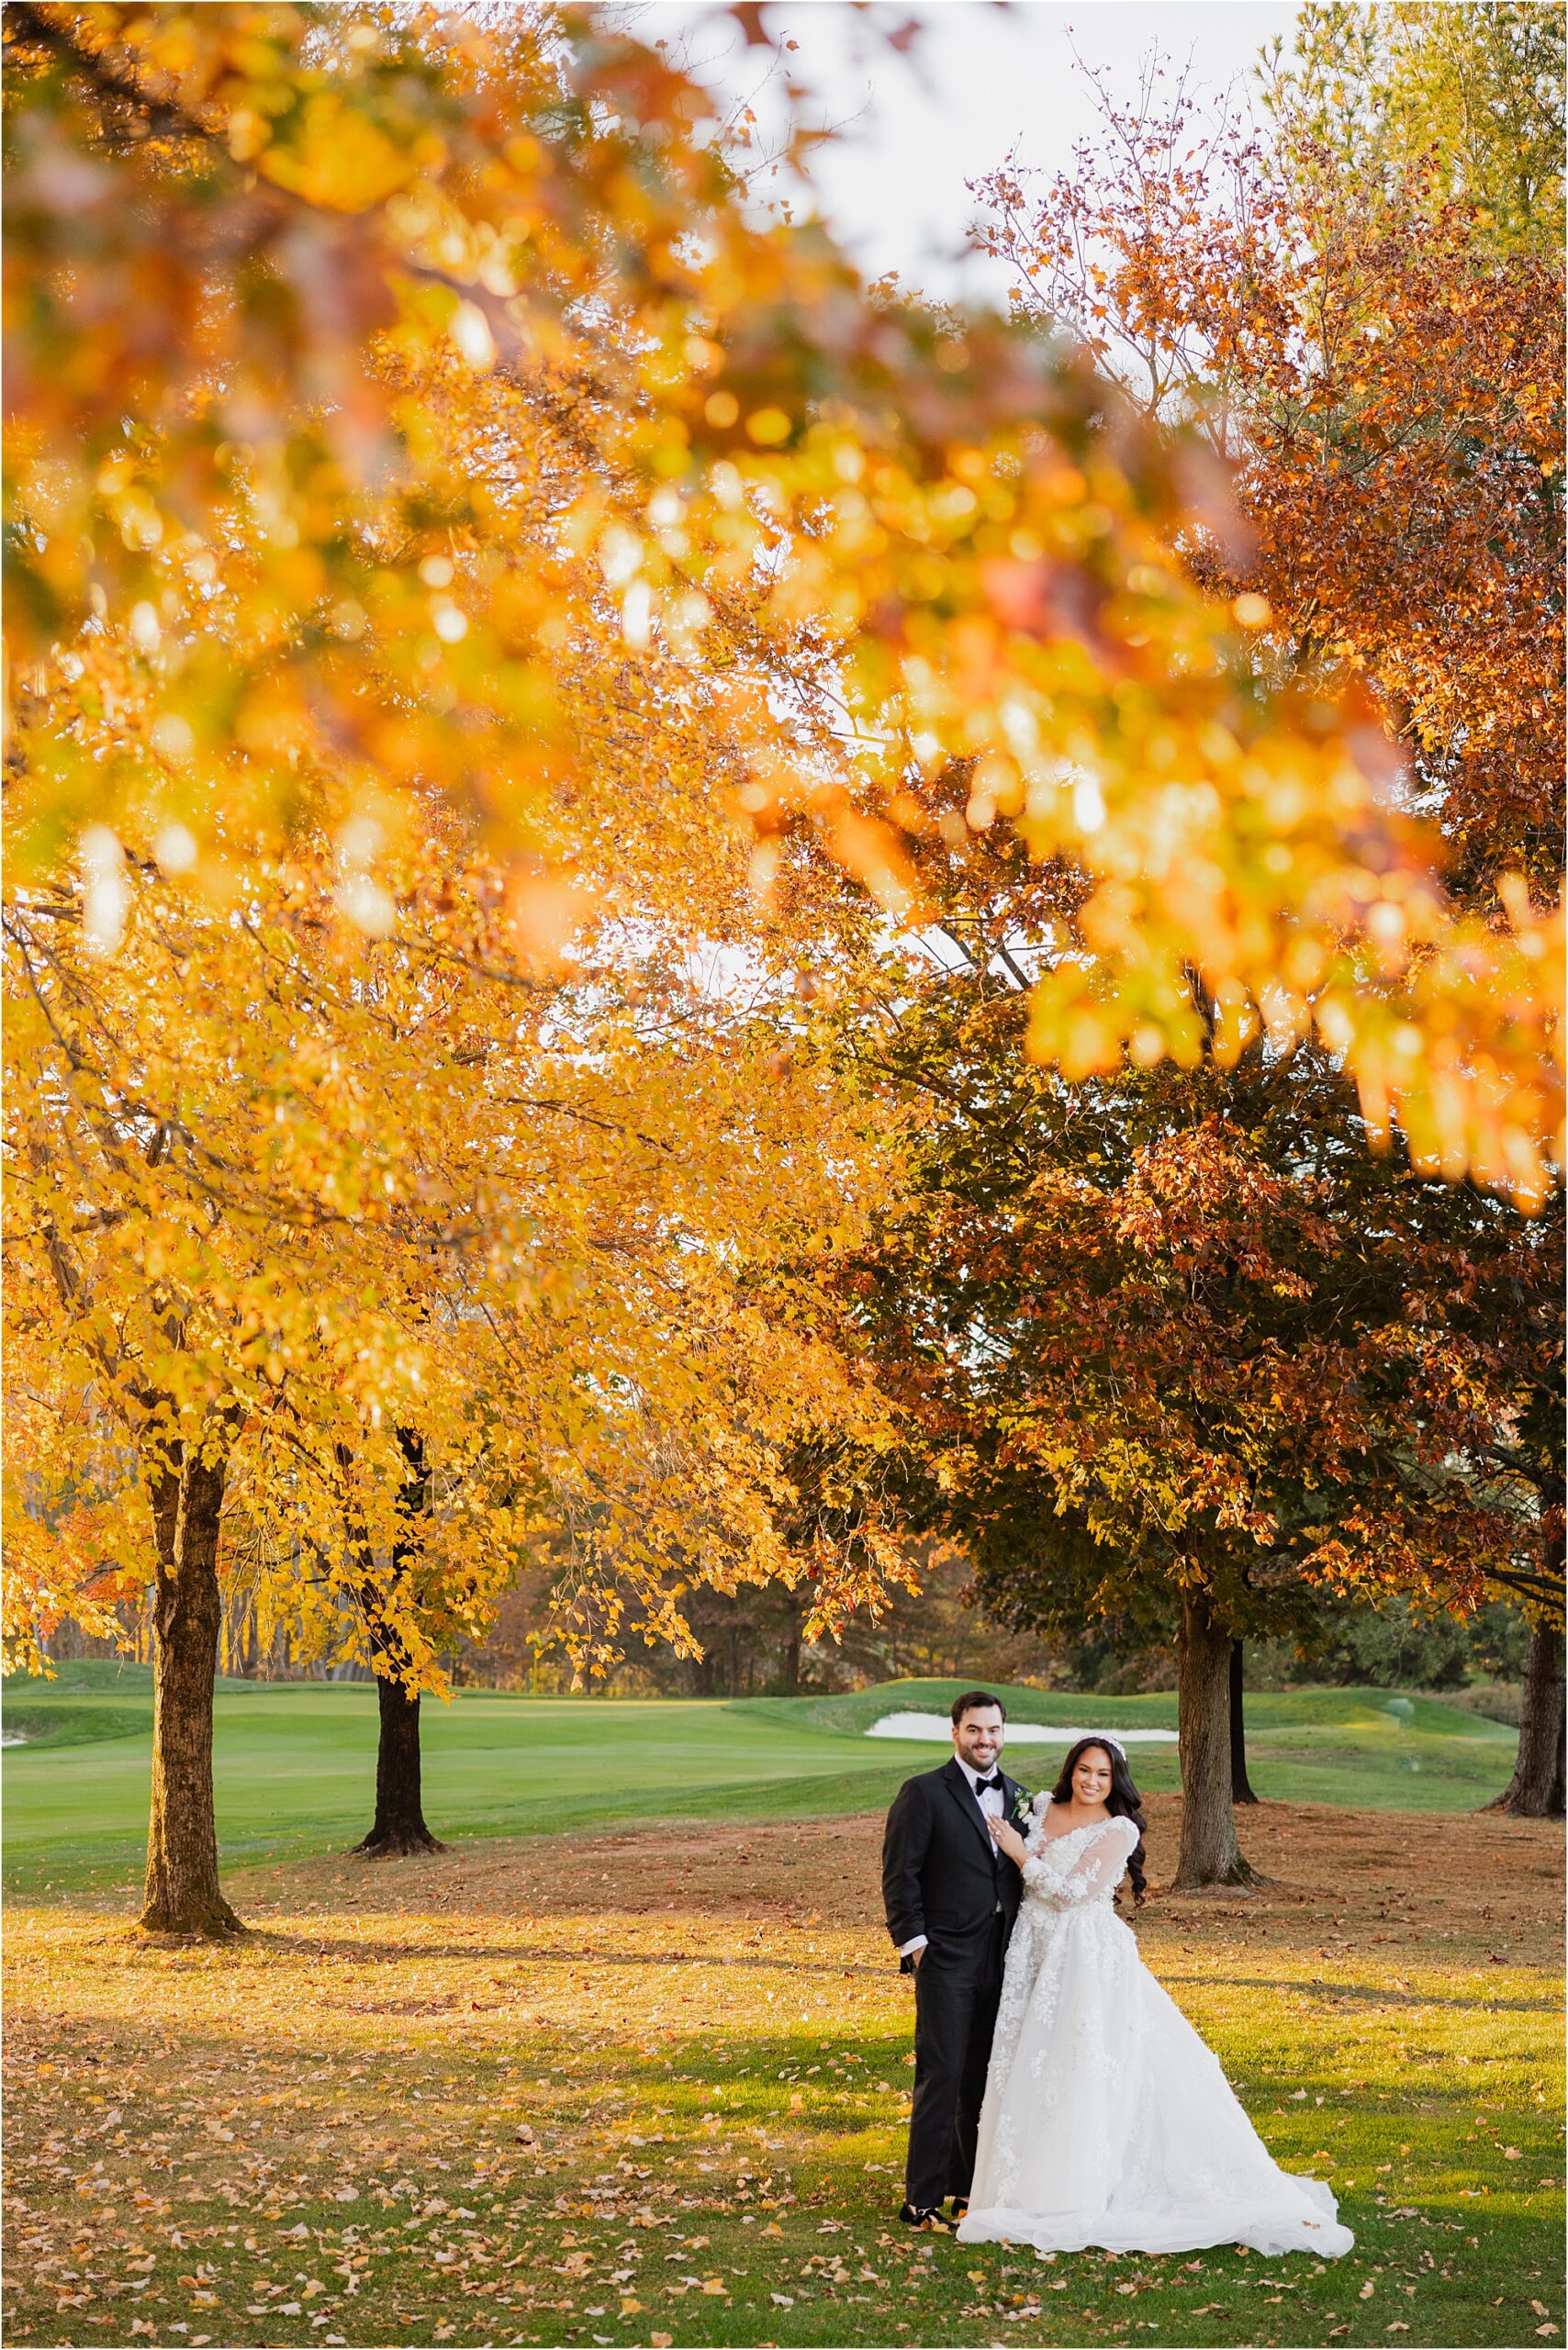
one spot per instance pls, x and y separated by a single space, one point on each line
1103 1737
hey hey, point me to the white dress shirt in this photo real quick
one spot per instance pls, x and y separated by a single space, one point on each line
991 1802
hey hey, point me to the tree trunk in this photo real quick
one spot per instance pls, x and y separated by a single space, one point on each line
399 1826
1210 1854
1240 1784
182 1894
1535 1791
793 1618
399 1823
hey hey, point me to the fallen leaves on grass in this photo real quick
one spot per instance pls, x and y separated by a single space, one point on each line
200 2112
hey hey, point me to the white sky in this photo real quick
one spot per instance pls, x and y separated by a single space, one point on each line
981 80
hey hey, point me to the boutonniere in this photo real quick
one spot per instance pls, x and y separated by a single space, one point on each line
1023 1808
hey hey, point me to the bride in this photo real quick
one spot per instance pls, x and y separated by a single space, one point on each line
1106 2120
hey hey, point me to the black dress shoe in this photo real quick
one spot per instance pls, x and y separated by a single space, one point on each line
914 2215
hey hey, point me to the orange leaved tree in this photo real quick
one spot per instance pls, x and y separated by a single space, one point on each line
1356 319
361 1244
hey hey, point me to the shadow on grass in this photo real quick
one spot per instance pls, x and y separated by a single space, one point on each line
355 1950
473 1954
1384 1995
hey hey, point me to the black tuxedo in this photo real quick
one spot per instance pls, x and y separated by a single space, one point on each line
942 1876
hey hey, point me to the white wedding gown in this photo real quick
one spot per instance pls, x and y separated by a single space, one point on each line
1106 2120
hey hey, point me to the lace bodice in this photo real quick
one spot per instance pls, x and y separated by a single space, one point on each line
1086 1865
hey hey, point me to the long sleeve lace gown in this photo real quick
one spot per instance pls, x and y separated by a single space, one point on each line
1106 2120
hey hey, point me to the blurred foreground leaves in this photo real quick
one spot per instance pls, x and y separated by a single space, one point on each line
298 298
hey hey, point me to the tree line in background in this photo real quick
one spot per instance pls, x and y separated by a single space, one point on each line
686 932
752 1646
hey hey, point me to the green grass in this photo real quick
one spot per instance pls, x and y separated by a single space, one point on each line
67 1724
1376 1750
294 1761
325 2120
702 2036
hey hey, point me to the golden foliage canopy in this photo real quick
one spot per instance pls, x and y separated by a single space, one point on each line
565 1243
290 291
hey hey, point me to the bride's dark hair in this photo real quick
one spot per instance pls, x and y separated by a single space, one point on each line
1124 1802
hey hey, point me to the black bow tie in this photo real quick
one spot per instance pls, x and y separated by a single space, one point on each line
984 1786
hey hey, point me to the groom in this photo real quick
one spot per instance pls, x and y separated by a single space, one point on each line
951 1898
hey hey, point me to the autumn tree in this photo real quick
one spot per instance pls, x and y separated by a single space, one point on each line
1389 385
361 1175
1467 106
1378 350
1472 98
1181 1351
290 1207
